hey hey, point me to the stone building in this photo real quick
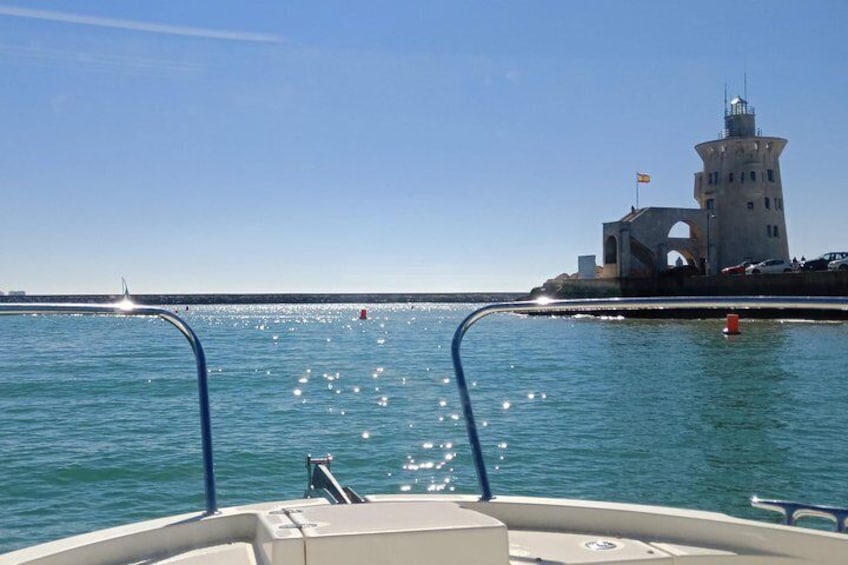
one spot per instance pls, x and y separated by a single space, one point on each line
740 215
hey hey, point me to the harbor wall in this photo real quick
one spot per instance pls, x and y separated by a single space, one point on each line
271 298
820 283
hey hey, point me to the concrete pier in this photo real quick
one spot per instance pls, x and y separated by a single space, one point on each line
818 283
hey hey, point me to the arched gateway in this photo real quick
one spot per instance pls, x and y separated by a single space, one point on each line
640 242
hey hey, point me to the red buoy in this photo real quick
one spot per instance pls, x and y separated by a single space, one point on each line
363 314
732 325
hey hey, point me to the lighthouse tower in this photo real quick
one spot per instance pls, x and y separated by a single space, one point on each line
740 188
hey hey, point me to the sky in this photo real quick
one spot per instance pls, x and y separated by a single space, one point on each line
382 146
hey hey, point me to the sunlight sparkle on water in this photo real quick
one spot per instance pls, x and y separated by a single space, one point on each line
506 404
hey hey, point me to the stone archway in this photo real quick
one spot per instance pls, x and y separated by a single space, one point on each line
676 259
652 233
680 230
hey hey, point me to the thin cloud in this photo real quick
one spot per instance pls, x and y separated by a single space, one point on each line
64 17
44 57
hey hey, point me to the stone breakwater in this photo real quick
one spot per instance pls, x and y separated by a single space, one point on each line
818 283
272 298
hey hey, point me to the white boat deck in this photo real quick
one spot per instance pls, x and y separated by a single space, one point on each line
445 530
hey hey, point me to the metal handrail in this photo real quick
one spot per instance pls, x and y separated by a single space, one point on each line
127 308
788 305
793 511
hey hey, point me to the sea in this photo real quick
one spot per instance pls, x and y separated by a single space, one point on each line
99 421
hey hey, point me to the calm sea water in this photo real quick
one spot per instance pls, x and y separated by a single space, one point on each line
99 419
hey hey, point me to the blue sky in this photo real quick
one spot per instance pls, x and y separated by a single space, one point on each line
382 146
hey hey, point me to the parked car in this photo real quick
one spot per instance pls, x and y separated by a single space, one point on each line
838 265
769 266
737 269
822 262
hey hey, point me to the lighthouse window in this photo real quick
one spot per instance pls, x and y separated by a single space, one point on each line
729 177
770 173
750 205
767 203
710 203
753 176
742 176
774 231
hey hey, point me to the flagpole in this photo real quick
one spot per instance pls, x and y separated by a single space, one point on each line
637 190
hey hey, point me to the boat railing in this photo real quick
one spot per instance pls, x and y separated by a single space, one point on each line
794 511
127 308
785 307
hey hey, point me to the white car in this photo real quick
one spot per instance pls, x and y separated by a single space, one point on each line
769 266
838 265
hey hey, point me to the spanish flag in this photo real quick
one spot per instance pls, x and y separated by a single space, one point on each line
641 177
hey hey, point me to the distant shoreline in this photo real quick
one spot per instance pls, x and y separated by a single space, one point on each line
274 298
